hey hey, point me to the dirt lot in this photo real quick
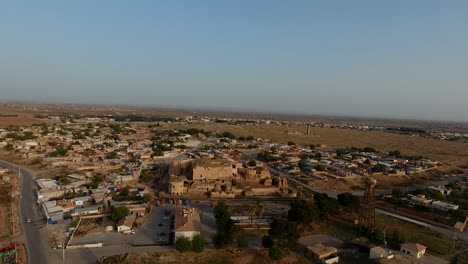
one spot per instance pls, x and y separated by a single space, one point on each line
208 257
17 119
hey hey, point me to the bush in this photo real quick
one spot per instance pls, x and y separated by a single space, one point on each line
275 253
9 147
243 243
183 244
198 243
267 242
252 163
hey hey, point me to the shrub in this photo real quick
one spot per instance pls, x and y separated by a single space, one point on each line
183 244
198 243
275 253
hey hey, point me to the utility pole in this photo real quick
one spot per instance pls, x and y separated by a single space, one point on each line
63 248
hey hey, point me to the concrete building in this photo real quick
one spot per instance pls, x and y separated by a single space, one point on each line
380 253
187 223
413 249
320 252
126 223
444 206
214 169
176 186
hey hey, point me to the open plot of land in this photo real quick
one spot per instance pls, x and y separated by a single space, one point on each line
208 257
9 118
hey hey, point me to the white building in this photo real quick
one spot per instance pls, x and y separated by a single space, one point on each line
444 206
187 223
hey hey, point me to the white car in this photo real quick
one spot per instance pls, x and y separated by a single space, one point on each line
166 217
28 220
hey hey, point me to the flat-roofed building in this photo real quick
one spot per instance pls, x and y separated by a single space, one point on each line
323 253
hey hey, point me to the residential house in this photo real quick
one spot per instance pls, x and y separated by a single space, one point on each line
187 223
413 249
126 223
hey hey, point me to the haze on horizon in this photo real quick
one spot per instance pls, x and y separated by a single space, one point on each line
395 59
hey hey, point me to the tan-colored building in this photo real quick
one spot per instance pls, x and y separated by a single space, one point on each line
380 253
176 185
323 253
413 249
214 169
187 223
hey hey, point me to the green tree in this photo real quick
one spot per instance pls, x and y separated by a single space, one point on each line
302 163
119 213
183 244
9 147
198 243
252 163
147 198
349 202
397 193
145 176
111 155
242 242
225 226
64 180
267 242
275 253
250 138
125 191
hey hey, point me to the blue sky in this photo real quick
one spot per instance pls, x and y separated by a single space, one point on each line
392 59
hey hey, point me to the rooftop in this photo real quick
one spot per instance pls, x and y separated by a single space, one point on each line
413 247
187 219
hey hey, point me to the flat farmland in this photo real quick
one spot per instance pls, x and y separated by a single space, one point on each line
9 118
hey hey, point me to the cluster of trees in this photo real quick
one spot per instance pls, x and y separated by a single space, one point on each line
284 230
197 244
227 233
97 179
303 163
397 154
196 131
227 135
9 147
145 176
24 136
60 151
246 138
111 155
266 156
407 130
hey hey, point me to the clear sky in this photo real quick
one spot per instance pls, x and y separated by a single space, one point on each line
396 59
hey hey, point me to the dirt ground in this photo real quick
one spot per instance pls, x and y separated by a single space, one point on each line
21 119
209 257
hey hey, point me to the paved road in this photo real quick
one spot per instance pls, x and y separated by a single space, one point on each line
31 236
